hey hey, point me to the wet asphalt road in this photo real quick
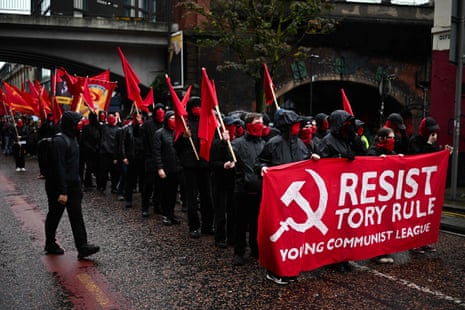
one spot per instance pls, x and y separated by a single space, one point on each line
145 265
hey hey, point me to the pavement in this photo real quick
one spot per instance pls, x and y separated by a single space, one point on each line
453 215
146 265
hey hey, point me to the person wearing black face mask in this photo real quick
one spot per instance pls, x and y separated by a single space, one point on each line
64 189
342 139
341 142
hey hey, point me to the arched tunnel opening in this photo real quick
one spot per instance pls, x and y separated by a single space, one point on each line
325 97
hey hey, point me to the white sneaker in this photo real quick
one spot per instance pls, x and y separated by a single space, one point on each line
276 279
18 169
23 169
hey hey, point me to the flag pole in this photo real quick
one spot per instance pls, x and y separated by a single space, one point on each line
16 129
274 97
224 129
190 138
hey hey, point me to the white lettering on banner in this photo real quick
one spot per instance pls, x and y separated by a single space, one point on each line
307 248
406 185
304 249
409 209
313 218
409 232
372 215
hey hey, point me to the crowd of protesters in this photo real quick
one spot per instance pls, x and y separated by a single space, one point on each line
140 155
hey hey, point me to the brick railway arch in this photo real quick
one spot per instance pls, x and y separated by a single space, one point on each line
362 91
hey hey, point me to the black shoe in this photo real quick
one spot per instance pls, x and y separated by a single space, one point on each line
166 221
175 220
145 214
221 244
339 267
194 234
87 250
238 260
128 205
54 248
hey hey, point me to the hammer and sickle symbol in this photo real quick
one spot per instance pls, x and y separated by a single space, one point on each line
313 218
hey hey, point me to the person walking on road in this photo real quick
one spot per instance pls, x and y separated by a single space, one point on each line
64 189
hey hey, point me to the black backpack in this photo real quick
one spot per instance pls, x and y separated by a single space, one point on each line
45 154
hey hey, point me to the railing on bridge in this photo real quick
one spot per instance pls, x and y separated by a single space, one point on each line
15 7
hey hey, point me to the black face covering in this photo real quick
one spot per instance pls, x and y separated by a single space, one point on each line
348 132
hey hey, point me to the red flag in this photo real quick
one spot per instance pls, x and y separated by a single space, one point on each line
3 109
86 94
100 91
346 103
132 81
269 86
178 107
57 111
148 101
19 101
207 121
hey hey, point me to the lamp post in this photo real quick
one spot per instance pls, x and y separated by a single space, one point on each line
312 56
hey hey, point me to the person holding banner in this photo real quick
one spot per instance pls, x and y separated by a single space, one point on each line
426 141
383 145
396 122
340 143
281 149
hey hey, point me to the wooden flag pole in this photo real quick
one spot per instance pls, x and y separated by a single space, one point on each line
274 97
190 139
224 129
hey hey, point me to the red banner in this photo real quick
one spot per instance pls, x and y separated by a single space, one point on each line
315 213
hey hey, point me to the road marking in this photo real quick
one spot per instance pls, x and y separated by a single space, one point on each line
90 285
412 285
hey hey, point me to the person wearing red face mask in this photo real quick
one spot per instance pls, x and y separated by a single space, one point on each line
150 189
426 141
307 130
282 149
167 165
247 188
383 145
197 175
107 159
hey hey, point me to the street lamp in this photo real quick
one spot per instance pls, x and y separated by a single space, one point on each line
312 56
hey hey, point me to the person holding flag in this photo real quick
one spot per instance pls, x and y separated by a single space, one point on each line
19 135
197 172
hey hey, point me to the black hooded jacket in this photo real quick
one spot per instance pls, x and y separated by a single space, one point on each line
335 144
65 153
283 148
164 153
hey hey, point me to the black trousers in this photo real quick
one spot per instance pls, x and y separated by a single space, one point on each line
247 206
223 198
19 153
198 184
55 212
169 190
151 188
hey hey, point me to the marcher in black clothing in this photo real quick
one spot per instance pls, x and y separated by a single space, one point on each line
222 164
150 190
426 141
396 122
339 143
168 166
322 126
282 149
107 156
383 145
19 135
64 189
47 130
90 142
197 175
247 188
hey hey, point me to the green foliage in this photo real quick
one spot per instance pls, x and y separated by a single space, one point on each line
259 31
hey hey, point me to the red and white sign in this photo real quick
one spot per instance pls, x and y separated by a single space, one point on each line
315 213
